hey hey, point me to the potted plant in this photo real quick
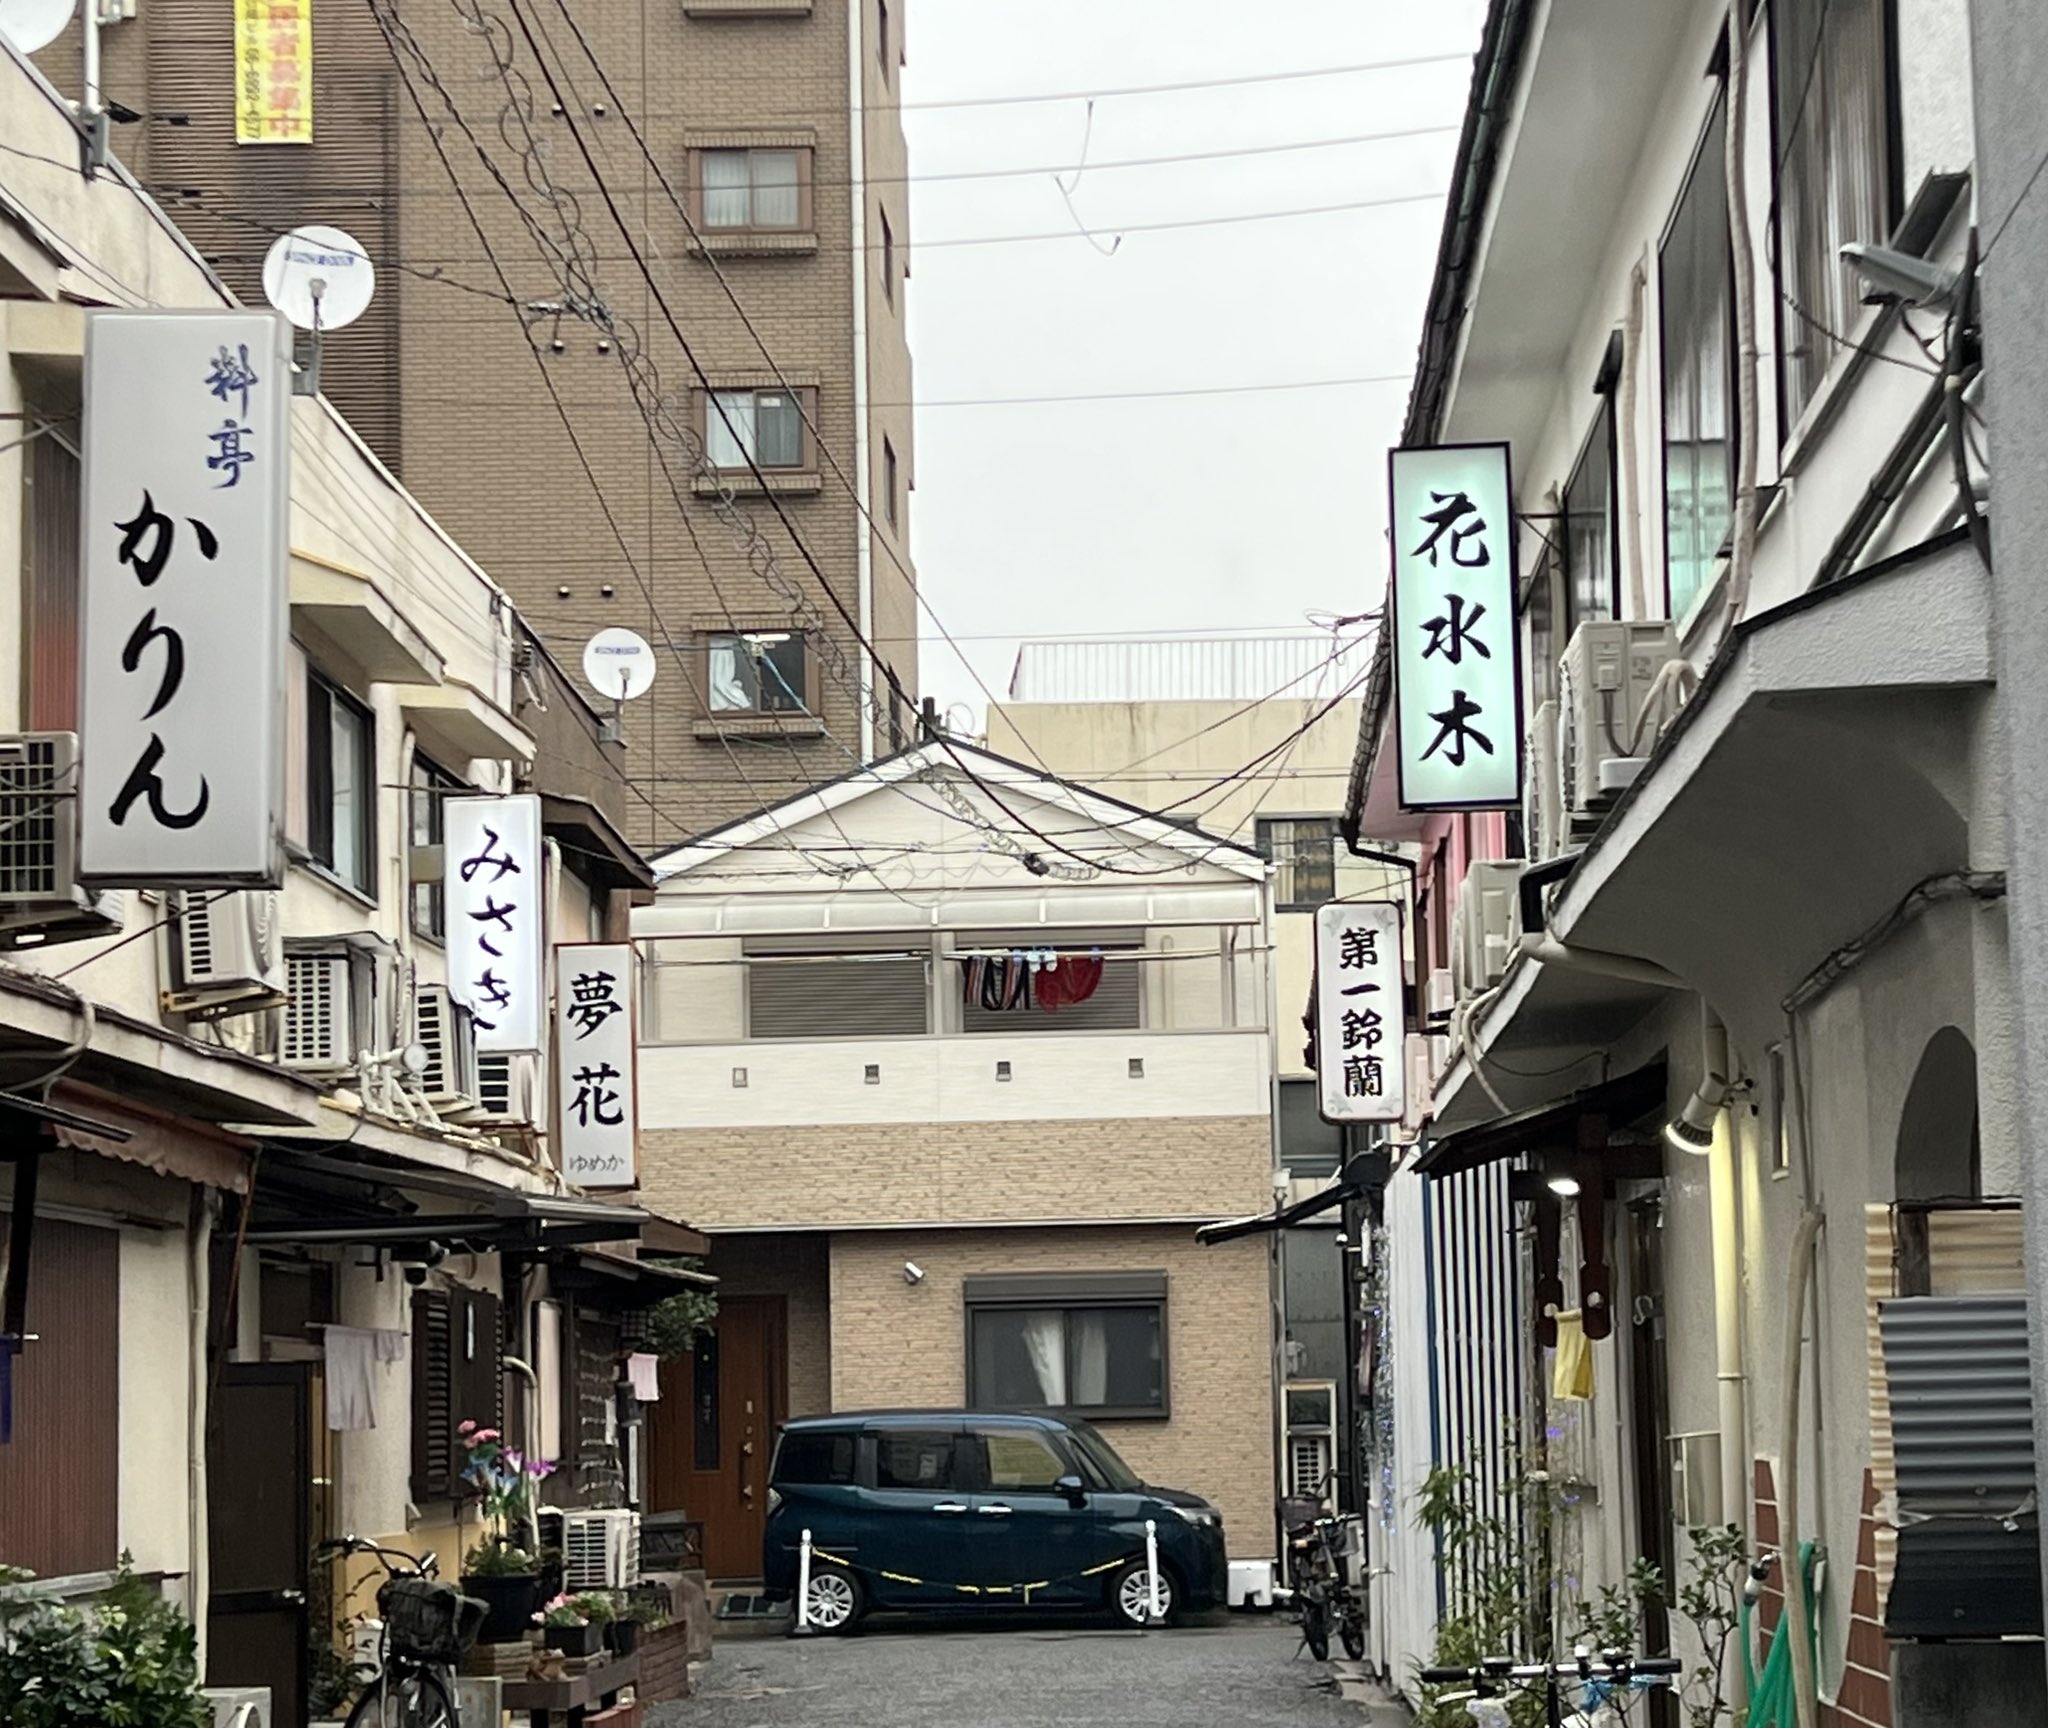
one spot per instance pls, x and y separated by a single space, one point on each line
622 1631
499 1571
565 1627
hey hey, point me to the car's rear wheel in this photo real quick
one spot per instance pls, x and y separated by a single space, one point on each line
835 1601
1131 1595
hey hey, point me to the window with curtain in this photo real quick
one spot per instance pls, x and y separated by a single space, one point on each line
341 785
1697 313
1094 1344
756 672
431 785
1304 853
766 425
1834 182
751 189
1589 562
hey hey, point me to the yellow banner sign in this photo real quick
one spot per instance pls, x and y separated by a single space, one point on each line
273 71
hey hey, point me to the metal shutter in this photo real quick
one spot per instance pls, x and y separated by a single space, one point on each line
433 1416
837 996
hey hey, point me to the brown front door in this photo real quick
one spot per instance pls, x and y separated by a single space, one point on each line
714 1429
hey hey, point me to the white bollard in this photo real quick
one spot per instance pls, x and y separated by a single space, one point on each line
803 1586
1155 1612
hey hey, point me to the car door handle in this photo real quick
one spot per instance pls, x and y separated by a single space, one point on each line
949 1506
997 1511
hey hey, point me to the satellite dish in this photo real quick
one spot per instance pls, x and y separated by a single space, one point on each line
319 278
34 24
619 664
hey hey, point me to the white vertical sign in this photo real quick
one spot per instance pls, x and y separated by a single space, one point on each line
1361 1070
495 877
183 598
1457 650
595 993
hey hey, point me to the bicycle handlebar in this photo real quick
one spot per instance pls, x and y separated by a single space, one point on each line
414 1566
1610 1665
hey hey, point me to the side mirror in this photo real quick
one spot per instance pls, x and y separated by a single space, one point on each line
1074 1489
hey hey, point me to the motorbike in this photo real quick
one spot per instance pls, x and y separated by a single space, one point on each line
1324 1595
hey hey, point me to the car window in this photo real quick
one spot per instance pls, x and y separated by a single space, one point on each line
914 1458
815 1458
1019 1458
1116 1475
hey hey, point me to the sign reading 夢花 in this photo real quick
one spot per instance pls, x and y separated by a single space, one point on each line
273 71
181 655
1456 648
494 875
1361 1021
594 1038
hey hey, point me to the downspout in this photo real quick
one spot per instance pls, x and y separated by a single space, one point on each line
1726 1228
199 1297
1631 456
1276 1288
863 522
1742 553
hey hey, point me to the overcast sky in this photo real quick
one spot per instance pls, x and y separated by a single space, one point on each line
1198 512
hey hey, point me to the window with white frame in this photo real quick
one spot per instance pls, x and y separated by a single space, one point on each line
765 427
1303 850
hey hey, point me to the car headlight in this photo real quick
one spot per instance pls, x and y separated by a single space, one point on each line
1202 1517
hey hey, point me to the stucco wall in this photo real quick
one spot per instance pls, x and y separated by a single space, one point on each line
895 1343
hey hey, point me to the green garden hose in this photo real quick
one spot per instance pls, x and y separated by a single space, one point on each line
1772 1703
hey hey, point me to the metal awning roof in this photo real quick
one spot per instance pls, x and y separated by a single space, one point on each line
1361 1173
1567 1126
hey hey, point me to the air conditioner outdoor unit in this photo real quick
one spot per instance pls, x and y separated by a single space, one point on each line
1311 1438
1439 995
600 1550
321 1018
1418 1053
1604 684
1543 801
446 1030
509 1093
223 954
1485 926
40 900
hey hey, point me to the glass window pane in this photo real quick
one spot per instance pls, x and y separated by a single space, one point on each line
1588 520
725 188
1019 1460
729 429
347 793
914 1459
1698 413
1019 1358
775 188
778 430
1116 1358
781 660
815 1458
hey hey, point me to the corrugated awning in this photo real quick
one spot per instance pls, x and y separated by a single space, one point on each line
1593 1112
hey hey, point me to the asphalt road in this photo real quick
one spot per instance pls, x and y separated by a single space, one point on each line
1241 1671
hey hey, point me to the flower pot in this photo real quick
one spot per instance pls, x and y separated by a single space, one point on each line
585 1640
509 1604
623 1636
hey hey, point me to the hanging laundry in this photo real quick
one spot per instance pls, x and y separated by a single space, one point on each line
1074 979
643 1374
352 1355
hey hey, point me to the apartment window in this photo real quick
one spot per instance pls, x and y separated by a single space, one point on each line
431 786
889 480
1834 137
1303 850
760 188
50 583
888 258
341 785
1699 400
755 428
757 672
1591 574
1091 1343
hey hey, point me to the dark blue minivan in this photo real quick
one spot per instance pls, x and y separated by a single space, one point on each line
956 1509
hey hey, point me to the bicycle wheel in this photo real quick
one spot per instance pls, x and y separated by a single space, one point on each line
1315 1628
415 1699
1352 1630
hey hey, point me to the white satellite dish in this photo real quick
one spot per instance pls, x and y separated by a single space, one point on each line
32 25
618 663
319 278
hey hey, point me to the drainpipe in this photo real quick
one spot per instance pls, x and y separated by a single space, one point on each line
199 1296
863 520
1726 1227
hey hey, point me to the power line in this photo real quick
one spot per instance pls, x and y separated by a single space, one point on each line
1032 401
1190 84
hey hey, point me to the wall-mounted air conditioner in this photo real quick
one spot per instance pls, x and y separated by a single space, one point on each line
509 1090
446 1030
320 1032
1543 796
41 902
1486 926
1310 1439
600 1550
1439 994
1603 739
222 953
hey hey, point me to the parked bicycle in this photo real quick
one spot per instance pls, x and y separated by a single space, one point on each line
1325 1597
428 1626
1601 1679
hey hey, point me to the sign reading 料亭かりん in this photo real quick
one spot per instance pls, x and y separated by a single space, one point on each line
1361 1073
495 876
594 997
1456 648
187 441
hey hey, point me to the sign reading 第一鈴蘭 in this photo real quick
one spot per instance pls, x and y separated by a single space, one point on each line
495 878
594 1075
1451 614
183 546
1361 1018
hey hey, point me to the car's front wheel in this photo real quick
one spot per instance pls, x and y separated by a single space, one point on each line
1131 1596
835 1601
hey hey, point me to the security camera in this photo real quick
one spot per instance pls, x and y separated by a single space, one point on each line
913 1273
1919 281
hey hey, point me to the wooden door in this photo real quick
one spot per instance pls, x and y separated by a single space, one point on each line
714 1429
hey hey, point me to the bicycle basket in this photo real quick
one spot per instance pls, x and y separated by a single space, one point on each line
427 1621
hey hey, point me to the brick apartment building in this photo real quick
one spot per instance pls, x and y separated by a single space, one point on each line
775 125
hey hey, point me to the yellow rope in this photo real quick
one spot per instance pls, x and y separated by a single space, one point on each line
1024 1590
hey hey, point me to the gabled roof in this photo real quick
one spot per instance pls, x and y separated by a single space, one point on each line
981 767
